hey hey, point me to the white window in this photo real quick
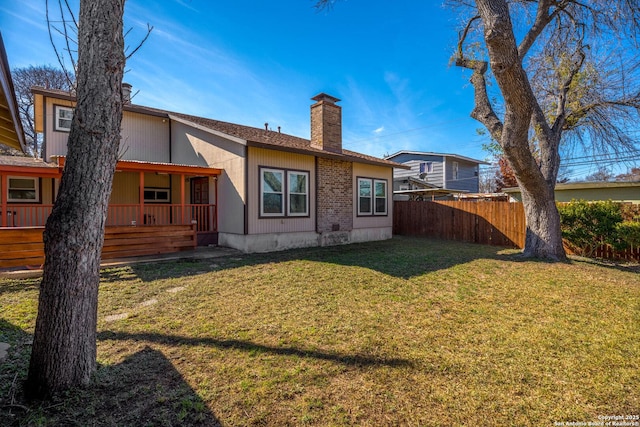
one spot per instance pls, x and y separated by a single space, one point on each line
372 196
156 195
298 190
284 192
364 196
455 170
23 189
63 116
380 195
271 192
426 167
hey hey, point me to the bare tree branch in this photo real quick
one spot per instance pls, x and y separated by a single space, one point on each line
483 110
146 36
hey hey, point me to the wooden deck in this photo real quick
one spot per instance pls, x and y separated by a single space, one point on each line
23 247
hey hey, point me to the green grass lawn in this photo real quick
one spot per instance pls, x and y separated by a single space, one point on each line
409 332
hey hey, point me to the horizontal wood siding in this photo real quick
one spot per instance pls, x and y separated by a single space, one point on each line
467 178
433 178
280 160
24 247
21 247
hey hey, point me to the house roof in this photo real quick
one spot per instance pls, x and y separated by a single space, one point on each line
26 166
417 181
428 153
253 137
429 192
582 185
157 167
262 138
11 132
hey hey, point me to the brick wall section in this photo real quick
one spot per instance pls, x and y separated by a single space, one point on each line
326 126
335 195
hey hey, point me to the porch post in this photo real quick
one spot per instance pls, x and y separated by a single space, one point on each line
215 208
182 177
3 197
141 208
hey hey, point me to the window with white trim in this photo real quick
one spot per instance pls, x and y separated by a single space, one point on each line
298 193
283 193
271 192
23 189
372 196
380 197
63 117
455 170
426 167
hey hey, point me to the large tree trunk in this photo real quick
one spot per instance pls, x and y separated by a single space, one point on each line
544 238
64 346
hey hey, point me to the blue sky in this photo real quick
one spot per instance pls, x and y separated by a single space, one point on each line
253 61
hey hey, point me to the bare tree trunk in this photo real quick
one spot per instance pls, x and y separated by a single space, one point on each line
544 238
64 347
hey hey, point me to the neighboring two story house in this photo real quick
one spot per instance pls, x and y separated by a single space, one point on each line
435 174
247 188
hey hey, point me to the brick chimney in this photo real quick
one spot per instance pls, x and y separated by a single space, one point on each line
326 123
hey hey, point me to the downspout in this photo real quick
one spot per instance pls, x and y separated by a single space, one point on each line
317 197
215 185
444 172
170 143
246 189
44 127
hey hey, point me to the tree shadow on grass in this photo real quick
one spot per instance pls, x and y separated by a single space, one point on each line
354 360
402 257
624 266
8 286
145 389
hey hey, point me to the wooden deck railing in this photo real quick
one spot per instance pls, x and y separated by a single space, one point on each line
204 216
21 215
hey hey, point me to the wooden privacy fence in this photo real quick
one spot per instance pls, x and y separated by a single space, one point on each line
489 223
24 247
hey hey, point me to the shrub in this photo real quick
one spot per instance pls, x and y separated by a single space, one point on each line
587 225
629 232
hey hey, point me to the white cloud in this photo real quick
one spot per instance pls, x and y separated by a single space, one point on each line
379 130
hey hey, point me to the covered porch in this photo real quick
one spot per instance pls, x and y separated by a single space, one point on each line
161 197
